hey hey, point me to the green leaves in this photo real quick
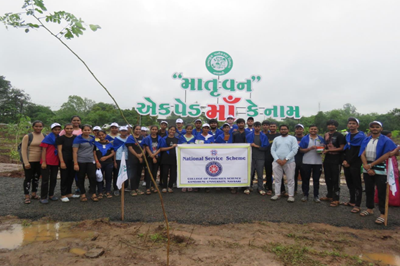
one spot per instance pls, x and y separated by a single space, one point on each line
94 27
74 26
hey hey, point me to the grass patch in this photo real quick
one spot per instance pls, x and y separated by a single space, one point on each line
302 255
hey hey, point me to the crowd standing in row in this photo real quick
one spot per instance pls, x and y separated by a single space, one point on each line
80 152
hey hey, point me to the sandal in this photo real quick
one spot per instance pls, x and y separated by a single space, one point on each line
83 198
262 192
170 190
134 193
148 192
356 210
269 192
190 189
27 200
164 190
247 191
366 213
380 220
100 196
139 192
334 204
36 197
183 189
348 204
108 195
94 198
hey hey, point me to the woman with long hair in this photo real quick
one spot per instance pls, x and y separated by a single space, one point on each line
84 162
135 159
76 126
31 152
49 163
168 161
104 157
152 145
64 147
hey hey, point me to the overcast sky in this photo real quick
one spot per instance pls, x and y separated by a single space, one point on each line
307 52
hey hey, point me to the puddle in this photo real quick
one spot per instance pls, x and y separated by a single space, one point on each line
17 235
383 258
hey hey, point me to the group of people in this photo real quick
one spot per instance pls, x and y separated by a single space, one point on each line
82 151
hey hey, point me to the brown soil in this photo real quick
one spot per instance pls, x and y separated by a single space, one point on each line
262 243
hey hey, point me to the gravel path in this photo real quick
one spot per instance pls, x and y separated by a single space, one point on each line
216 207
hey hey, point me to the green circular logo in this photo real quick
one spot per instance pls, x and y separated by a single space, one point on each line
219 63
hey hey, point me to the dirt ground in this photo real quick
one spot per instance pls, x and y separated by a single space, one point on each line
45 242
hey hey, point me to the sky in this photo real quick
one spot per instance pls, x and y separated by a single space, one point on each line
316 54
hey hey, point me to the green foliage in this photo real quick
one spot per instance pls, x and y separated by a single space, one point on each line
70 25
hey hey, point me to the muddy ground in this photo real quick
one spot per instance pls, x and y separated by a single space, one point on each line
258 243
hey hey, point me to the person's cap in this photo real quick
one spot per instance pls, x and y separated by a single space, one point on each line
205 125
299 125
230 116
226 124
147 129
353 119
121 128
198 120
97 128
129 125
55 125
375 122
178 121
114 125
143 128
164 122
250 118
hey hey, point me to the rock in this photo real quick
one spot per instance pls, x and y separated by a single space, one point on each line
94 253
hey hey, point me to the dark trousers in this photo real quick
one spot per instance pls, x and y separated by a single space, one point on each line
88 169
67 178
380 182
32 176
298 170
49 181
115 176
315 170
107 169
171 170
153 169
134 174
257 166
332 180
353 181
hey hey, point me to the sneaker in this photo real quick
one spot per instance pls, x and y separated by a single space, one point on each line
290 199
164 190
76 196
54 198
304 198
317 200
275 197
44 201
143 184
116 193
65 199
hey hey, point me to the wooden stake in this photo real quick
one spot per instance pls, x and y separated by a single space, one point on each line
122 200
387 203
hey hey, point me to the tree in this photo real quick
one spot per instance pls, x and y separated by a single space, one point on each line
75 105
12 102
42 113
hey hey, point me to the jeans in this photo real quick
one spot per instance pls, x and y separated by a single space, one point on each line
32 176
316 170
49 177
258 166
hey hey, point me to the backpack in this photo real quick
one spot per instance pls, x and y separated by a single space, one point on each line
30 138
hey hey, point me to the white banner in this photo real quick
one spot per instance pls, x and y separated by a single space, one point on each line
214 165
